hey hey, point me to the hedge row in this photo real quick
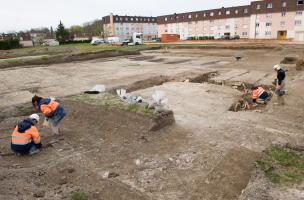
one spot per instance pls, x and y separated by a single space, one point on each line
10 44
75 42
201 38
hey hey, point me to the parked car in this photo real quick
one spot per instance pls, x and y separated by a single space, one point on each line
96 41
125 43
235 37
226 37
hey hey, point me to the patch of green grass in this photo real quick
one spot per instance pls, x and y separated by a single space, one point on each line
79 196
112 100
148 111
282 165
285 157
134 107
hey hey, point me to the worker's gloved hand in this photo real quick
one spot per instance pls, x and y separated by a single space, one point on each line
46 123
50 115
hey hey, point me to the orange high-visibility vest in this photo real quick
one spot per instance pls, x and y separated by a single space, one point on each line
257 92
26 137
49 108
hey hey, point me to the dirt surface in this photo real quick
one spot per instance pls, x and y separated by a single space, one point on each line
108 153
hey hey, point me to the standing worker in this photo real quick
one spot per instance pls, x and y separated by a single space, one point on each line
25 137
259 95
280 82
52 110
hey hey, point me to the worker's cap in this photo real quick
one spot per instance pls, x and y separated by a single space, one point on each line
35 117
277 67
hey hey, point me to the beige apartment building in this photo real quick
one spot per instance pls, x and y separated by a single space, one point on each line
125 26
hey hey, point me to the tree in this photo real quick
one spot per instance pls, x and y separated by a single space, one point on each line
76 29
52 33
62 34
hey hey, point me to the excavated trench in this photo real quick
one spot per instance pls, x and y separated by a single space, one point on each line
118 134
243 103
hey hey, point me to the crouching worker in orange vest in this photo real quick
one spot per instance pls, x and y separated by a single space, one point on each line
52 110
259 95
25 137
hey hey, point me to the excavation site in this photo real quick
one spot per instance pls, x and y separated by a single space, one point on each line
168 123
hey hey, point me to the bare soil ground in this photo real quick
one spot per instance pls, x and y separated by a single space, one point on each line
209 153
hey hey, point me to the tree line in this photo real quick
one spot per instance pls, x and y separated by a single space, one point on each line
62 34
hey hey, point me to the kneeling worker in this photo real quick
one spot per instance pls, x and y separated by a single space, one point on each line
259 95
52 110
25 137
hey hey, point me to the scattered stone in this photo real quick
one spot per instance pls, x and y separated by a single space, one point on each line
70 170
162 119
63 180
113 175
39 194
137 162
108 174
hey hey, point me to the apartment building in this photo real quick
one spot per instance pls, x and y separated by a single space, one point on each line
268 19
125 26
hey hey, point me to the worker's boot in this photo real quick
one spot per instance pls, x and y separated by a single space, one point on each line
33 151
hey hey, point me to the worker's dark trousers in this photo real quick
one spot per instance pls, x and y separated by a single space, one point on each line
25 149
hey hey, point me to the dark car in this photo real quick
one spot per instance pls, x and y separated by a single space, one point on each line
235 37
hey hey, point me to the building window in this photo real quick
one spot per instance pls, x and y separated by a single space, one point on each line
227 12
126 19
244 33
166 19
211 14
299 13
120 18
245 26
269 15
268 24
183 17
189 16
235 26
227 27
268 33
283 14
298 22
300 3
204 14
258 7
283 23
257 25
284 4
220 13
245 10
236 11
137 19
116 19
132 19
196 15
269 5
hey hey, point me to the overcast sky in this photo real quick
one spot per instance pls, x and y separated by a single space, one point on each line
18 15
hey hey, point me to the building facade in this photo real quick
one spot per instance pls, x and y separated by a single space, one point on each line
267 19
125 26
